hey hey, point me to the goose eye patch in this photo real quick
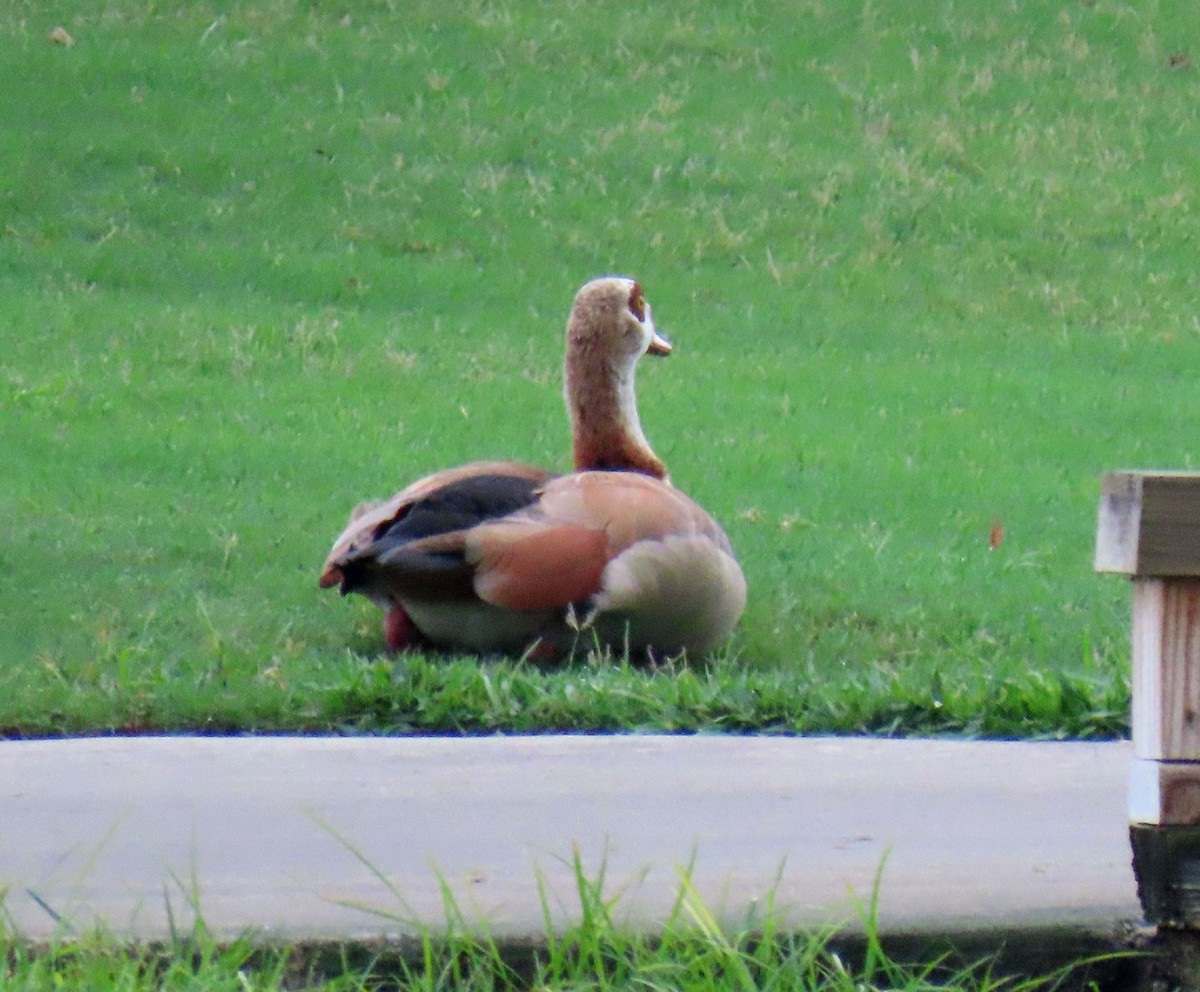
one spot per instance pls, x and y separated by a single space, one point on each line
637 302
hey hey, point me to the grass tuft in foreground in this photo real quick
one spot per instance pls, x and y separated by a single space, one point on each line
694 952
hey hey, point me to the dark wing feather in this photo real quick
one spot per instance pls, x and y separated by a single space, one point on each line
457 506
423 544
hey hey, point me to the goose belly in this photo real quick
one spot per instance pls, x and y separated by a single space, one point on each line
477 626
678 593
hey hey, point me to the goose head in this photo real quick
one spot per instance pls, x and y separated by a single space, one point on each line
610 328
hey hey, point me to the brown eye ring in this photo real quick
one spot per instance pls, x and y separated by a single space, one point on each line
637 302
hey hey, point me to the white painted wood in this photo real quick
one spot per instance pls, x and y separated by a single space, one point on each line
1146 717
276 834
1145 794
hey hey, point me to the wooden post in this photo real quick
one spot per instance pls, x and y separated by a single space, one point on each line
1149 529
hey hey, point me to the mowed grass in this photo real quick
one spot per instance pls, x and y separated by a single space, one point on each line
929 270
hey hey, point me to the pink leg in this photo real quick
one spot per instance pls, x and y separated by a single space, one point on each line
398 629
543 653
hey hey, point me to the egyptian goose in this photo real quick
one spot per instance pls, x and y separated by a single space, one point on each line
502 556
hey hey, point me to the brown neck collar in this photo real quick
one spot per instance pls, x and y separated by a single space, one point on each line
613 450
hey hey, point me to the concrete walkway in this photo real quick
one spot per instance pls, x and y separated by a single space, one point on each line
348 838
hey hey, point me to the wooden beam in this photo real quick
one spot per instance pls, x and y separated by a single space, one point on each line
1149 524
1166 669
1149 529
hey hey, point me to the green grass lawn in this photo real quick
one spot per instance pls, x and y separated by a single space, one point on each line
928 269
